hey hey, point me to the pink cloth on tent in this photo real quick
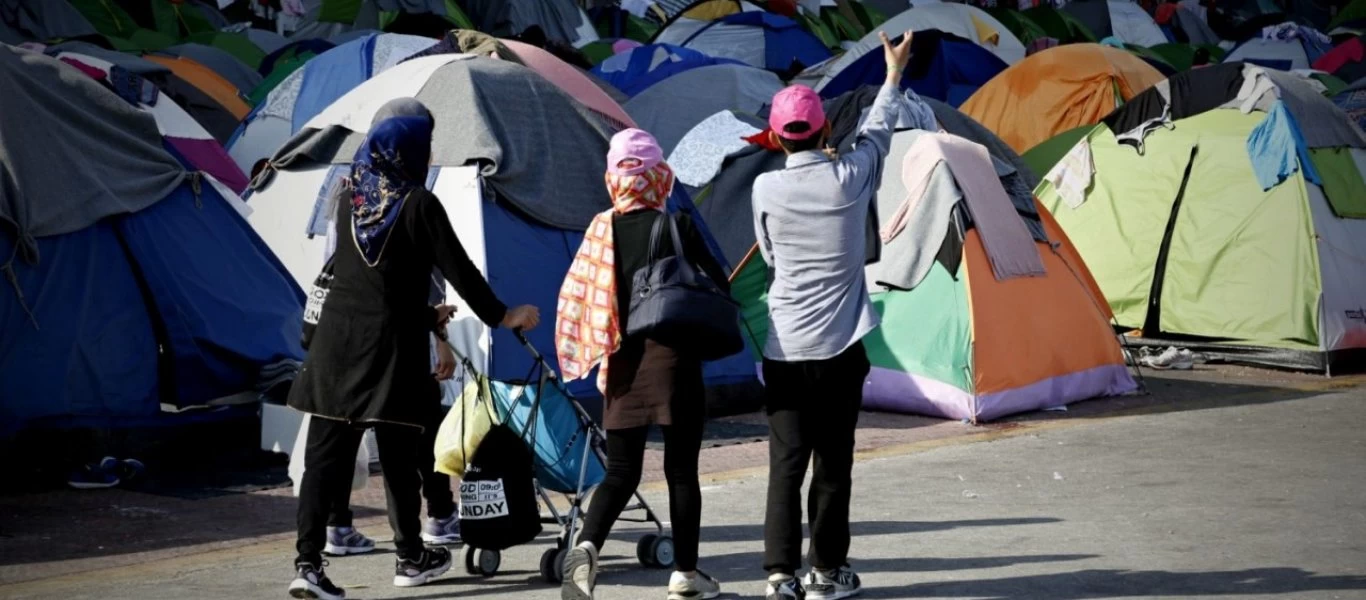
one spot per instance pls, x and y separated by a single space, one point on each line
624 45
1350 51
573 81
211 158
1009 246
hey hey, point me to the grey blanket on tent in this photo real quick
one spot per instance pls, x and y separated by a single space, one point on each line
78 154
546 157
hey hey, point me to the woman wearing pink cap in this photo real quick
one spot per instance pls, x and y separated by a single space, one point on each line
643 382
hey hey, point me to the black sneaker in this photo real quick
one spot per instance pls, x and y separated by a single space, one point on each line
312 583
432 563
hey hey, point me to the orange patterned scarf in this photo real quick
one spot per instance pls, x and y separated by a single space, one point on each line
588 327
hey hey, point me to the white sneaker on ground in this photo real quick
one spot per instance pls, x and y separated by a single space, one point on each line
699 587
832 585
580 572
342 541
784 587
1178 359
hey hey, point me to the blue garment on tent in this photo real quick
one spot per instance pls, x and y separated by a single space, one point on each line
186 274
634 71
954 70
1277 149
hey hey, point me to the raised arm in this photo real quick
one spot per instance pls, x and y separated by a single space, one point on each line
861 168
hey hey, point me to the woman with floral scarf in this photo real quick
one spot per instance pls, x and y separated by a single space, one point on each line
643 382
369 364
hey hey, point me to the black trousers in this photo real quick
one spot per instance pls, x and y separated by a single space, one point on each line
329 459
436 487
625 460
813 409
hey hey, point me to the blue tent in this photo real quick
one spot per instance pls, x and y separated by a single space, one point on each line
943 66
757 38
639 68
150 289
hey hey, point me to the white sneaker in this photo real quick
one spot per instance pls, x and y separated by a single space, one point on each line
580 572
835 585
700 587
1179 359
784 587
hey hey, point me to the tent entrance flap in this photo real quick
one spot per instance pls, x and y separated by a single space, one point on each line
1153 321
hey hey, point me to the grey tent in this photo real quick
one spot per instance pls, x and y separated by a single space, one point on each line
1193 29
670 108
41 21
225 65
546 157
561 20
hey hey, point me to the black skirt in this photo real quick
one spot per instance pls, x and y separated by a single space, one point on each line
651 384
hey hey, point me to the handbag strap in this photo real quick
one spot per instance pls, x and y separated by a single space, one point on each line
685 265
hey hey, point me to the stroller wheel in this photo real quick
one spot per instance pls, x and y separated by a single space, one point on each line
490 560
471 567
552 565
655 551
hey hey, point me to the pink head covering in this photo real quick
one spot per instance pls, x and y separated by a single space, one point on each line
635 144
794 104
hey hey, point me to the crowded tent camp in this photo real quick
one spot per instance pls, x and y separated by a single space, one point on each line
399 231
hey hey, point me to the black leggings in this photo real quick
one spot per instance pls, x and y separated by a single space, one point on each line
625 460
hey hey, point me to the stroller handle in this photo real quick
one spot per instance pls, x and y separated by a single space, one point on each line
535 354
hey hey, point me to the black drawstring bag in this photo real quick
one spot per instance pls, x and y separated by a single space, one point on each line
498 507
677 305
313 306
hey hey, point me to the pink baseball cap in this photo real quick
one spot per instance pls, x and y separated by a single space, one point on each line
637 144
796 104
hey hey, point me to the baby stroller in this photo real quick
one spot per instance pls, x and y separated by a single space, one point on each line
569 459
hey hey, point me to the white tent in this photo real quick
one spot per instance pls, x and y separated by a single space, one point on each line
959 19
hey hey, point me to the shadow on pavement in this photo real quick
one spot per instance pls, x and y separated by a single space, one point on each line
1106 583
755 532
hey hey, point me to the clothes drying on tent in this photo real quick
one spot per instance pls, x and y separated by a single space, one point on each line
756 38
156 242
520 213
1183 26
950 345
1280 48
562 21
310 89
1086 82
1203 235
943 66
670 108
186 138
1120 18
1347 61
635 70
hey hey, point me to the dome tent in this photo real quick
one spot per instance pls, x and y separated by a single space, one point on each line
1191 248
671 107
756 38
635 70
310 89
154 241
327 19
1122 19
562 21
1058 89
521 184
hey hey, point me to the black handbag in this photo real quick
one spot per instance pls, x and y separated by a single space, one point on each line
313 307
677 305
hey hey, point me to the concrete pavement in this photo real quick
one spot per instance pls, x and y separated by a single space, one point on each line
1254 495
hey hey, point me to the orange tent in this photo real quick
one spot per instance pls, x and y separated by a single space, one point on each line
1058 89
206 81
